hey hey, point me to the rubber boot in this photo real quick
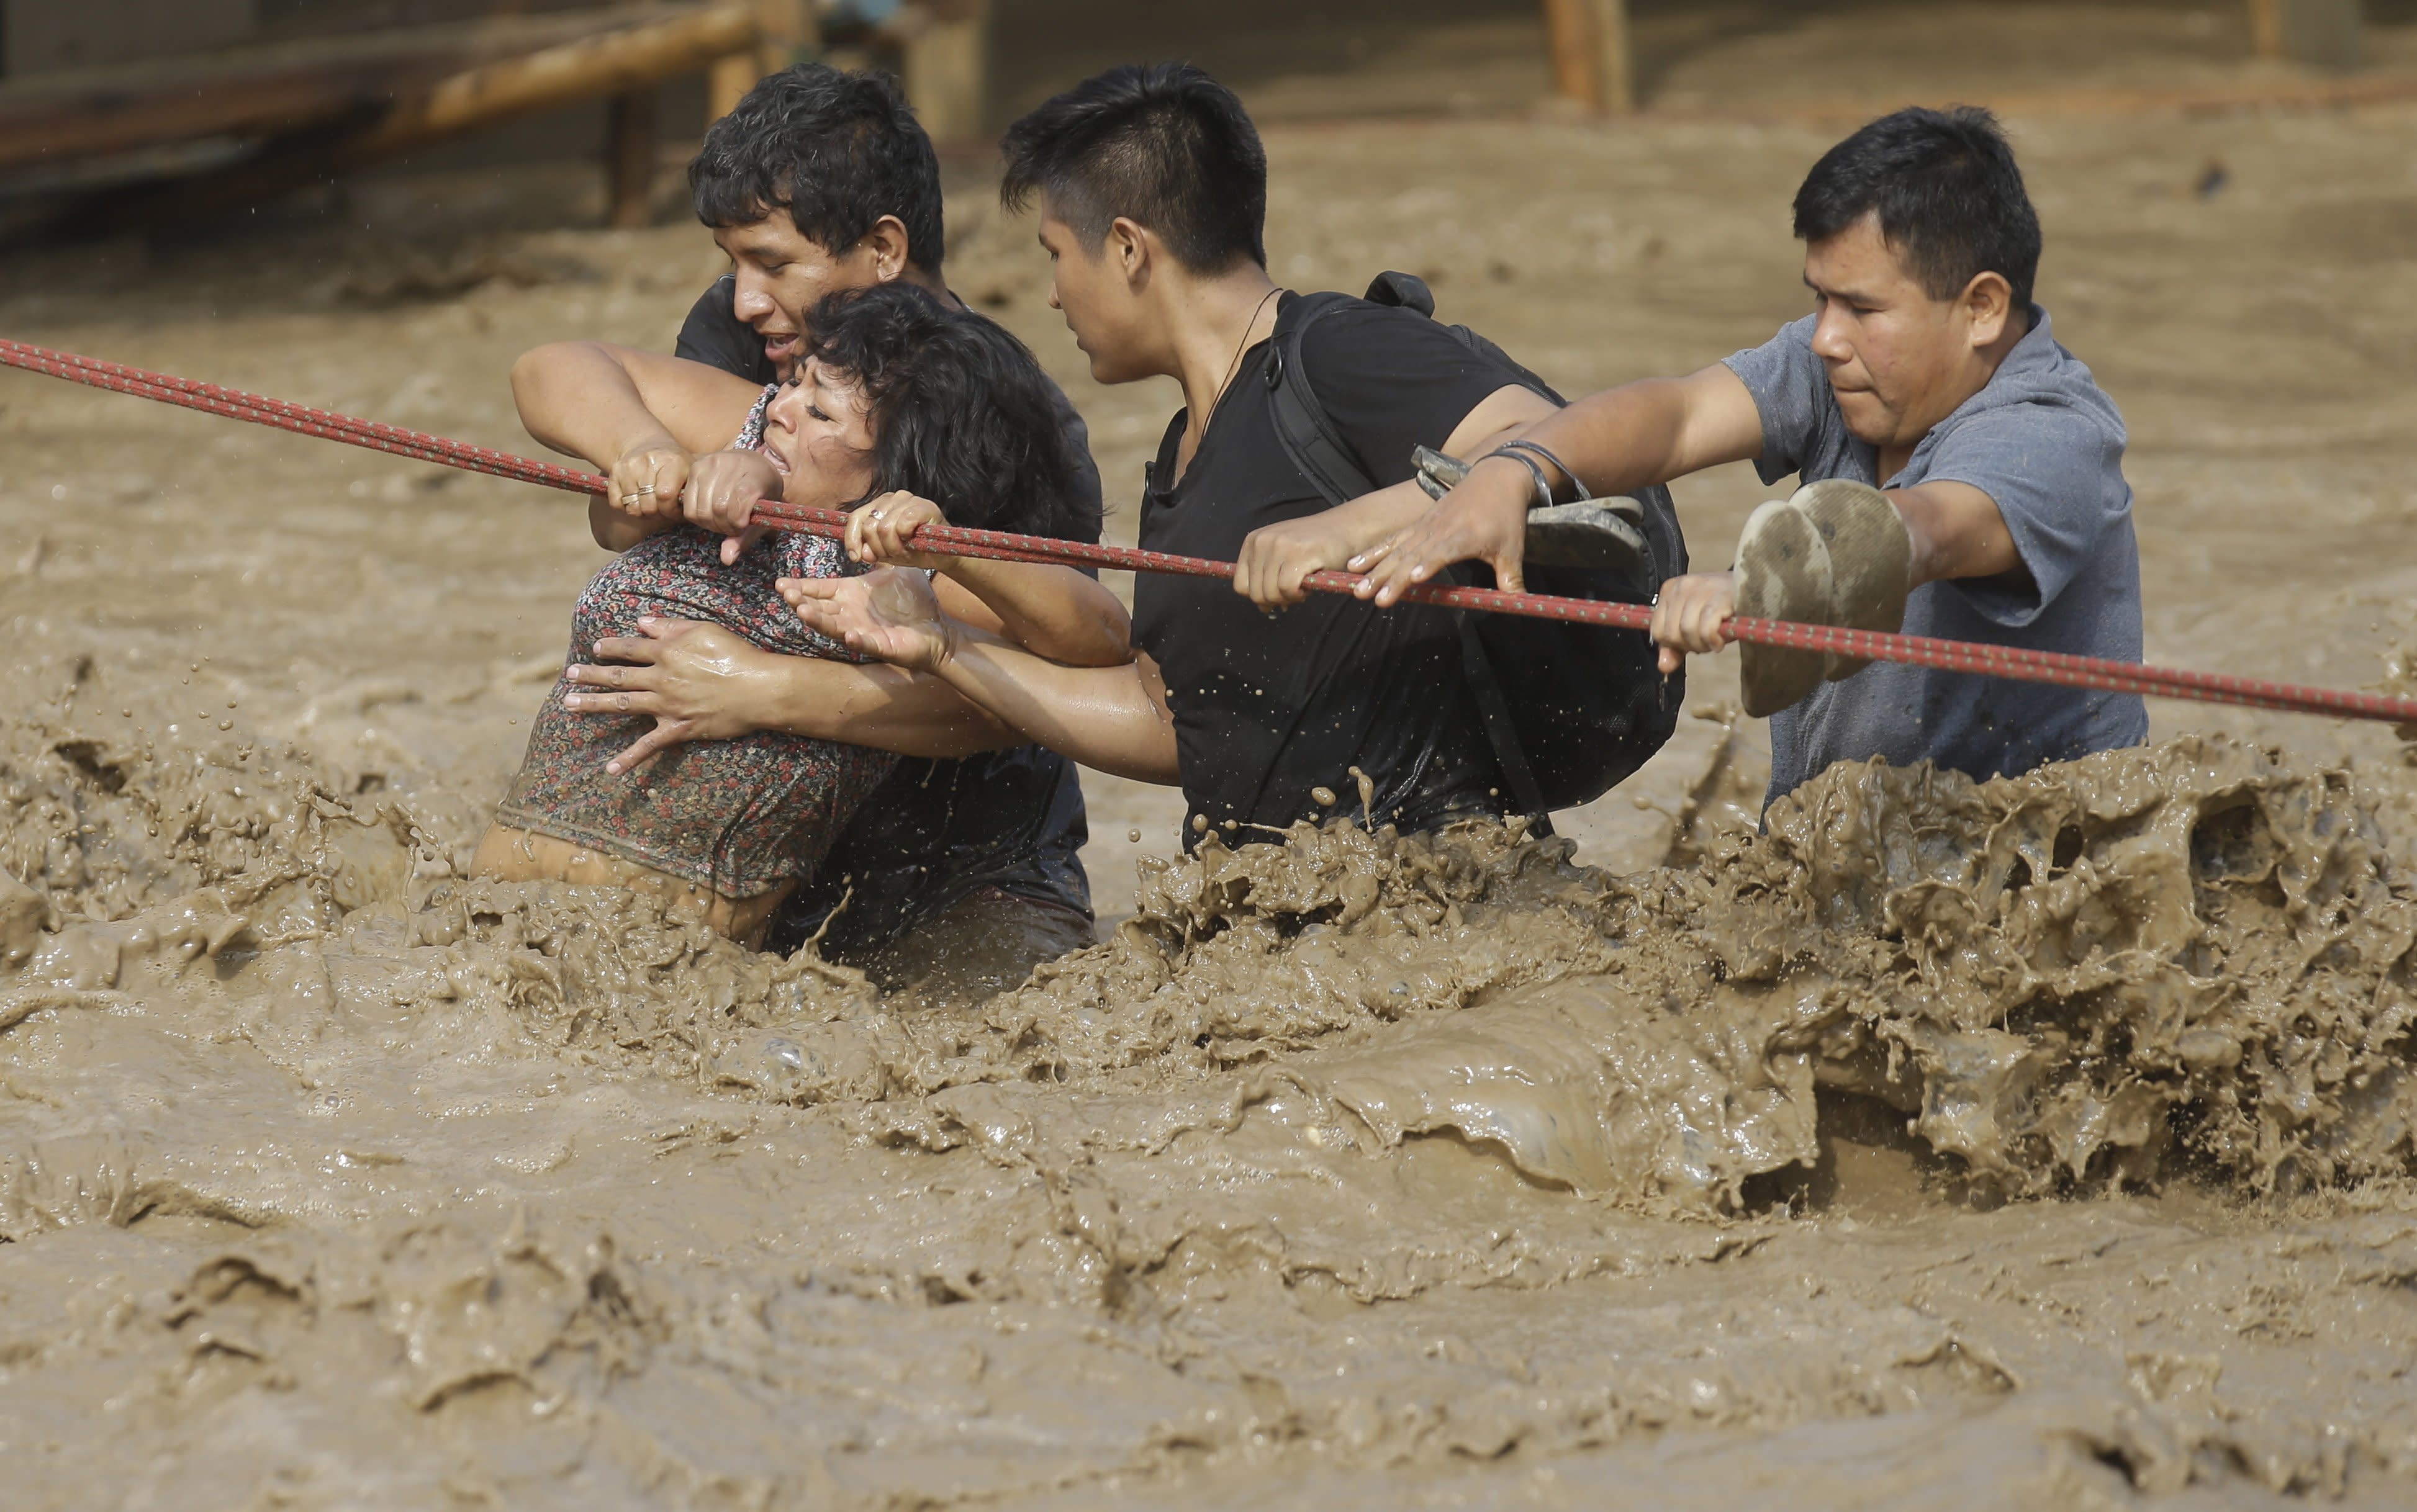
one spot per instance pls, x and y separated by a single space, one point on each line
1871 560
1782 572
1836 552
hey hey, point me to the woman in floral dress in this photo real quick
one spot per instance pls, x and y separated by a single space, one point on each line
898 400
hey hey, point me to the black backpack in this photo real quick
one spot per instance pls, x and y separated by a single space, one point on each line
1570 710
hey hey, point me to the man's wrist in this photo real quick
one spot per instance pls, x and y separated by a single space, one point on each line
1510 480
761 692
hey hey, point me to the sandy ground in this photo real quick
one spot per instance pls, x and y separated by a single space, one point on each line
337 1184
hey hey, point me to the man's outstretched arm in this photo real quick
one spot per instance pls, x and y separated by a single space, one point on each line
1276 560
639 416
1114 719
1956 530
702 682
1617 442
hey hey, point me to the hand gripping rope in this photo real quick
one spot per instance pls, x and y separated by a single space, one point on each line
1919 650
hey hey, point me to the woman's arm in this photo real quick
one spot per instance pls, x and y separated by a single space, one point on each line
637 415
1052 611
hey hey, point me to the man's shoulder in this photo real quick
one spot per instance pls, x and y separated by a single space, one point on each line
714 335
1789 347
2042 382
1341 332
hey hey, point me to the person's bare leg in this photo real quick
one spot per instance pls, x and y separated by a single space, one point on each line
509 854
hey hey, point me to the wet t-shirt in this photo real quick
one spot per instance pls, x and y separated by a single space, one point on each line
2043 441
1269 708
936 830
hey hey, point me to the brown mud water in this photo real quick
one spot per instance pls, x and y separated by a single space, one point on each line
2044 1128
333 1182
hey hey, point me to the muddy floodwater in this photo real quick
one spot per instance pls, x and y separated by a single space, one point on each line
2037 1143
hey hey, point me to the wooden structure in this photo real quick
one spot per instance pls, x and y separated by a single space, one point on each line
1592 66
1589 43
2323 32
209 131
252 121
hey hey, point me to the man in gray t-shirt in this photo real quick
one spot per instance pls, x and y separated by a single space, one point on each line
1927 371
2042 441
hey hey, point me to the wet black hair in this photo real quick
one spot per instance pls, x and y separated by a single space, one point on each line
960 412
1163 145
1951 202
837 150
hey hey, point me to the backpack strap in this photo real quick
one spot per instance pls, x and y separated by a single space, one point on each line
1313 444
1307 434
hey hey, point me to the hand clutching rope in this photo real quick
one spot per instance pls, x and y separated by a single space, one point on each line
2016 663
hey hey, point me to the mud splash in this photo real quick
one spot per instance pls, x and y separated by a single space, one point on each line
313 1154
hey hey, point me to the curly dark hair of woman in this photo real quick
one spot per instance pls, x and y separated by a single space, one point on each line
961 412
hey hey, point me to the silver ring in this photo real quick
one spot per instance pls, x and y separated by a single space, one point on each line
629 498
645 488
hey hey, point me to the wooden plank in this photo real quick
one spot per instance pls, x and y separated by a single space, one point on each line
41 36
630 122
1615 75
728 80
948 71
55 125
1587 40
786 32
1569 40
786 35
2322 32
630 58
2266 28
264 91
609 63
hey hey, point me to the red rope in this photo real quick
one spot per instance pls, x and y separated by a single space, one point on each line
2012 662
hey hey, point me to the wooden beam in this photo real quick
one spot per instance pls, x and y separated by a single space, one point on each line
2266 28
1615 74
786 32
610 63
2322 32
1589 46
948 71
728 80
606 64
39 123
1569 42
630 160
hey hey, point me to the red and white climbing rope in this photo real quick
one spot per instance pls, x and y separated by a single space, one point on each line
1919 650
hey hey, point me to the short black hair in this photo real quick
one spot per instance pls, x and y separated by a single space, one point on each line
1951 202
960 412
837 150
1164 146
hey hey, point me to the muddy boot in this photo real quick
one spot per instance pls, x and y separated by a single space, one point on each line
1606 534
1871 560
1834 553
1782 572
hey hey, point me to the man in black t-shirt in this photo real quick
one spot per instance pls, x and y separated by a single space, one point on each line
821 181
1154 190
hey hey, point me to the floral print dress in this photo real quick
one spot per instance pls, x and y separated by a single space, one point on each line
741 816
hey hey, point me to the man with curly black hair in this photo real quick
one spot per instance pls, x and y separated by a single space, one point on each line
820 182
